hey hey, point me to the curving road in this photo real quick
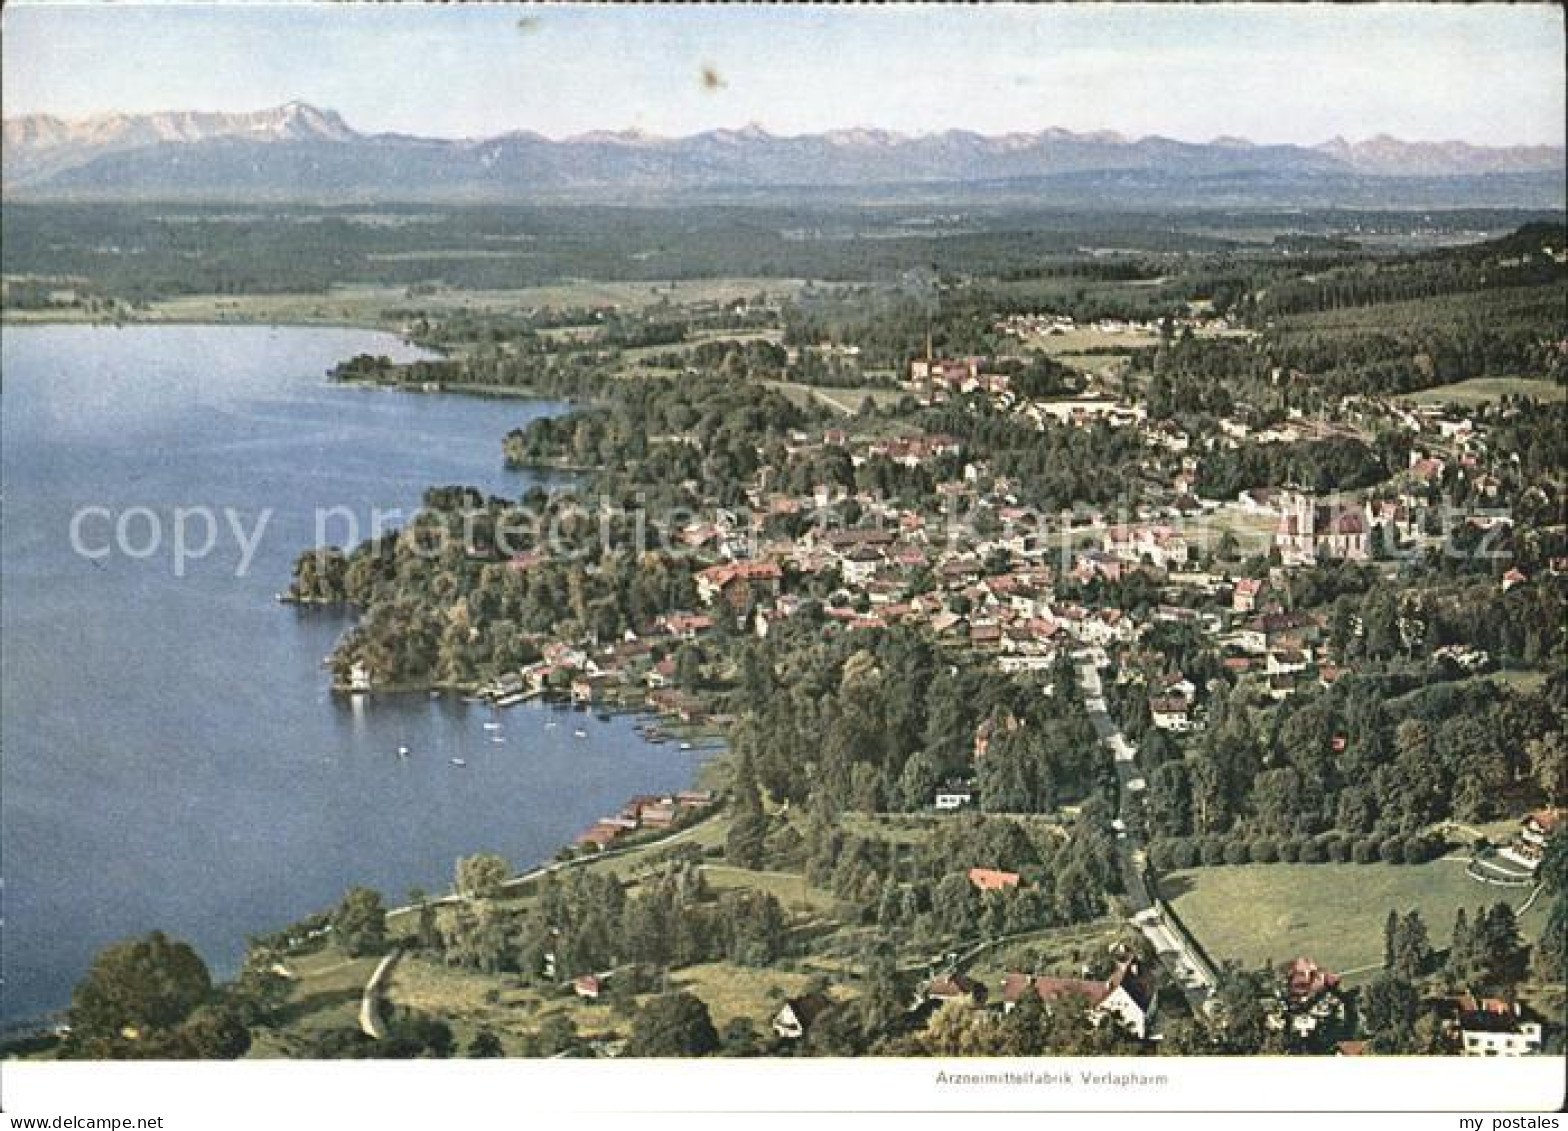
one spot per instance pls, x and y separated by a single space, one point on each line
370 1002
1177 952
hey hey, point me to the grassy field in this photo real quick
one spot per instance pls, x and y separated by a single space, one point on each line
1055 950
1254 533
846 401
1518 680
1512 680
469 1001
368 305
1333 913
329 986
740 991
631 864
325 996
1082 338
789 888
349 305
1479 390
1080 346
1101 365
919 827
900 828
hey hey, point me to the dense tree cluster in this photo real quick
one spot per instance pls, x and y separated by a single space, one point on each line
1516 260
1054 469
1354 773
878 720
585 922
152 999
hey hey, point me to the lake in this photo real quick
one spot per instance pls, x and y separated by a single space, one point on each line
172 757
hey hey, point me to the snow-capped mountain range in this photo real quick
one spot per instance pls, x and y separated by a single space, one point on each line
300 151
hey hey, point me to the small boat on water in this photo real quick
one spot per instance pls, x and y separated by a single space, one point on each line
579 733
550 724
499 738
459 763
492 726
403 752
685 746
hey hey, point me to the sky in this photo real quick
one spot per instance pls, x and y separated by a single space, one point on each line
1488 74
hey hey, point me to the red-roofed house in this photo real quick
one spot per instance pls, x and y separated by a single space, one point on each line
740 583
1310 998
1248 593
1529 844
989 879
1493 1027
601 836
1127 996
686 626
1172 714
956 987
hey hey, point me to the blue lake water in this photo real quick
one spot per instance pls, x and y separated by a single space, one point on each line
172 757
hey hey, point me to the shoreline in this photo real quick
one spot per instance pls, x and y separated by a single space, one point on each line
710 743
41 1026
12 316
714 739
492 392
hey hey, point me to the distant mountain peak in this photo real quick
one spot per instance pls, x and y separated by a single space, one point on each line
293 121
298 149
862 135
613 137
1383 154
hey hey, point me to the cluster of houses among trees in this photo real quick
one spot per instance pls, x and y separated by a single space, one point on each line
1329 624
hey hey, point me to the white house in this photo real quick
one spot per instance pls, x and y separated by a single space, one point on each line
1126 997
798 1014
1494 1028
953 795
1529 845
1288 661
1171 714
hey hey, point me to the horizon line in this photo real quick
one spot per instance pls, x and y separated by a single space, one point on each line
758 129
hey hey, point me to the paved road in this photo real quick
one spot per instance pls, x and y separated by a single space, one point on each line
1175 949
371 1000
